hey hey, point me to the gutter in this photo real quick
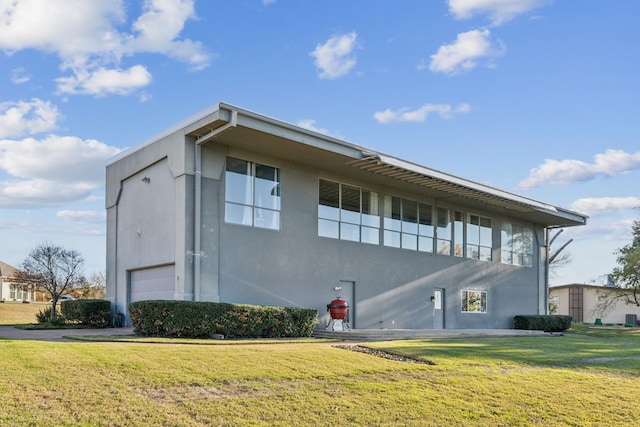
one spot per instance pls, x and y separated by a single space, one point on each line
197 209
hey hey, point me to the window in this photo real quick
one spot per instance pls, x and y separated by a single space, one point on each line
444 231
347 212
458 234
479 238
474 301
252 194
517 244
408 224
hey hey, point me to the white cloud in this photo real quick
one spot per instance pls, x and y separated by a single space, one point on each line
599 205
609 163
36 193
27 117
334 58
19 76
499 11
83 217
59 158
463 54
51 171
87 38
102 81
310 124
158 29
445 111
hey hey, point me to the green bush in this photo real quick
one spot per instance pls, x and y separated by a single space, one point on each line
44 316
201 319
547 323
94 313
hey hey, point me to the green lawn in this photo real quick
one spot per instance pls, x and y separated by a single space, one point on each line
580 379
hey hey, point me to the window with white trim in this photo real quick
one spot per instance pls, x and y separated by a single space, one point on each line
474 301
347 212
252 194
444 231
517 244
479 241
408 224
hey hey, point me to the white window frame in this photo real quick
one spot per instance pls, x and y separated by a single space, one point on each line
466 301
254 210
362 227
518 254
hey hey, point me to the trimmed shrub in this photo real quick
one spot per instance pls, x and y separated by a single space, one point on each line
547 323
189 319
94 313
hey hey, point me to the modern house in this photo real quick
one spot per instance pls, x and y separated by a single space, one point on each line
580 301
237 207
11 291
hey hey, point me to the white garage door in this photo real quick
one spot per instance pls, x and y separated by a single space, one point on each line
153 283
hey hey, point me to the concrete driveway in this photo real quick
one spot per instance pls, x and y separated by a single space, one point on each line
9 332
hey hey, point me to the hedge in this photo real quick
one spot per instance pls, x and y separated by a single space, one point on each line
89 312
189 319
547 323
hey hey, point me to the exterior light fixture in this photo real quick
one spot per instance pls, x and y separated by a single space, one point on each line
146 180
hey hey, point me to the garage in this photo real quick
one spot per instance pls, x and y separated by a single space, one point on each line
153 283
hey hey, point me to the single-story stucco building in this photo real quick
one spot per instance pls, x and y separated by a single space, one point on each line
237 207
581 302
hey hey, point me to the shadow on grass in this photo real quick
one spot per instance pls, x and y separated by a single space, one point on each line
615 348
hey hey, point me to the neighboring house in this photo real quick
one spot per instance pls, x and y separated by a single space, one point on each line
237 207
581 303
10 290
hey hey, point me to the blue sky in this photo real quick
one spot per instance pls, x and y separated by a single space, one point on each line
530 96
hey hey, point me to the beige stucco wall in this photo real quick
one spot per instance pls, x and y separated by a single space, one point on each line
590 296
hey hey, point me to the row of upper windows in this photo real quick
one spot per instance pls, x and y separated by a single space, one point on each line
347 212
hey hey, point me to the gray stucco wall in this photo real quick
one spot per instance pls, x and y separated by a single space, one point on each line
393 286
151 224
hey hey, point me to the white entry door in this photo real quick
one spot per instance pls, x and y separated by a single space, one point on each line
438 308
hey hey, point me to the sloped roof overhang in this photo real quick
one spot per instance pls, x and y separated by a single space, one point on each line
297 142
460 188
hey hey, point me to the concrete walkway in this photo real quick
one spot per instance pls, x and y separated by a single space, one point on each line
9 332
362 335
403 334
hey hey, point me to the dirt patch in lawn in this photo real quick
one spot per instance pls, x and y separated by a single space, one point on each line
384 354
189 393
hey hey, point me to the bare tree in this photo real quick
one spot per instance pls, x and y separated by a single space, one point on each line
52 268
94 287
625 277
558 258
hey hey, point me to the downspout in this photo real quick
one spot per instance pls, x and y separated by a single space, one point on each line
115 258
197 214
546 270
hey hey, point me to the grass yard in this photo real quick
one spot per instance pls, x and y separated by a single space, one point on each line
17 313
588 378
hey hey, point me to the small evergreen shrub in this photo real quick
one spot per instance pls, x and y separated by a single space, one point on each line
43 316
547 323
94 313
190 319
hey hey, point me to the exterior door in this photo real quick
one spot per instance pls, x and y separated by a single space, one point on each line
438 308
